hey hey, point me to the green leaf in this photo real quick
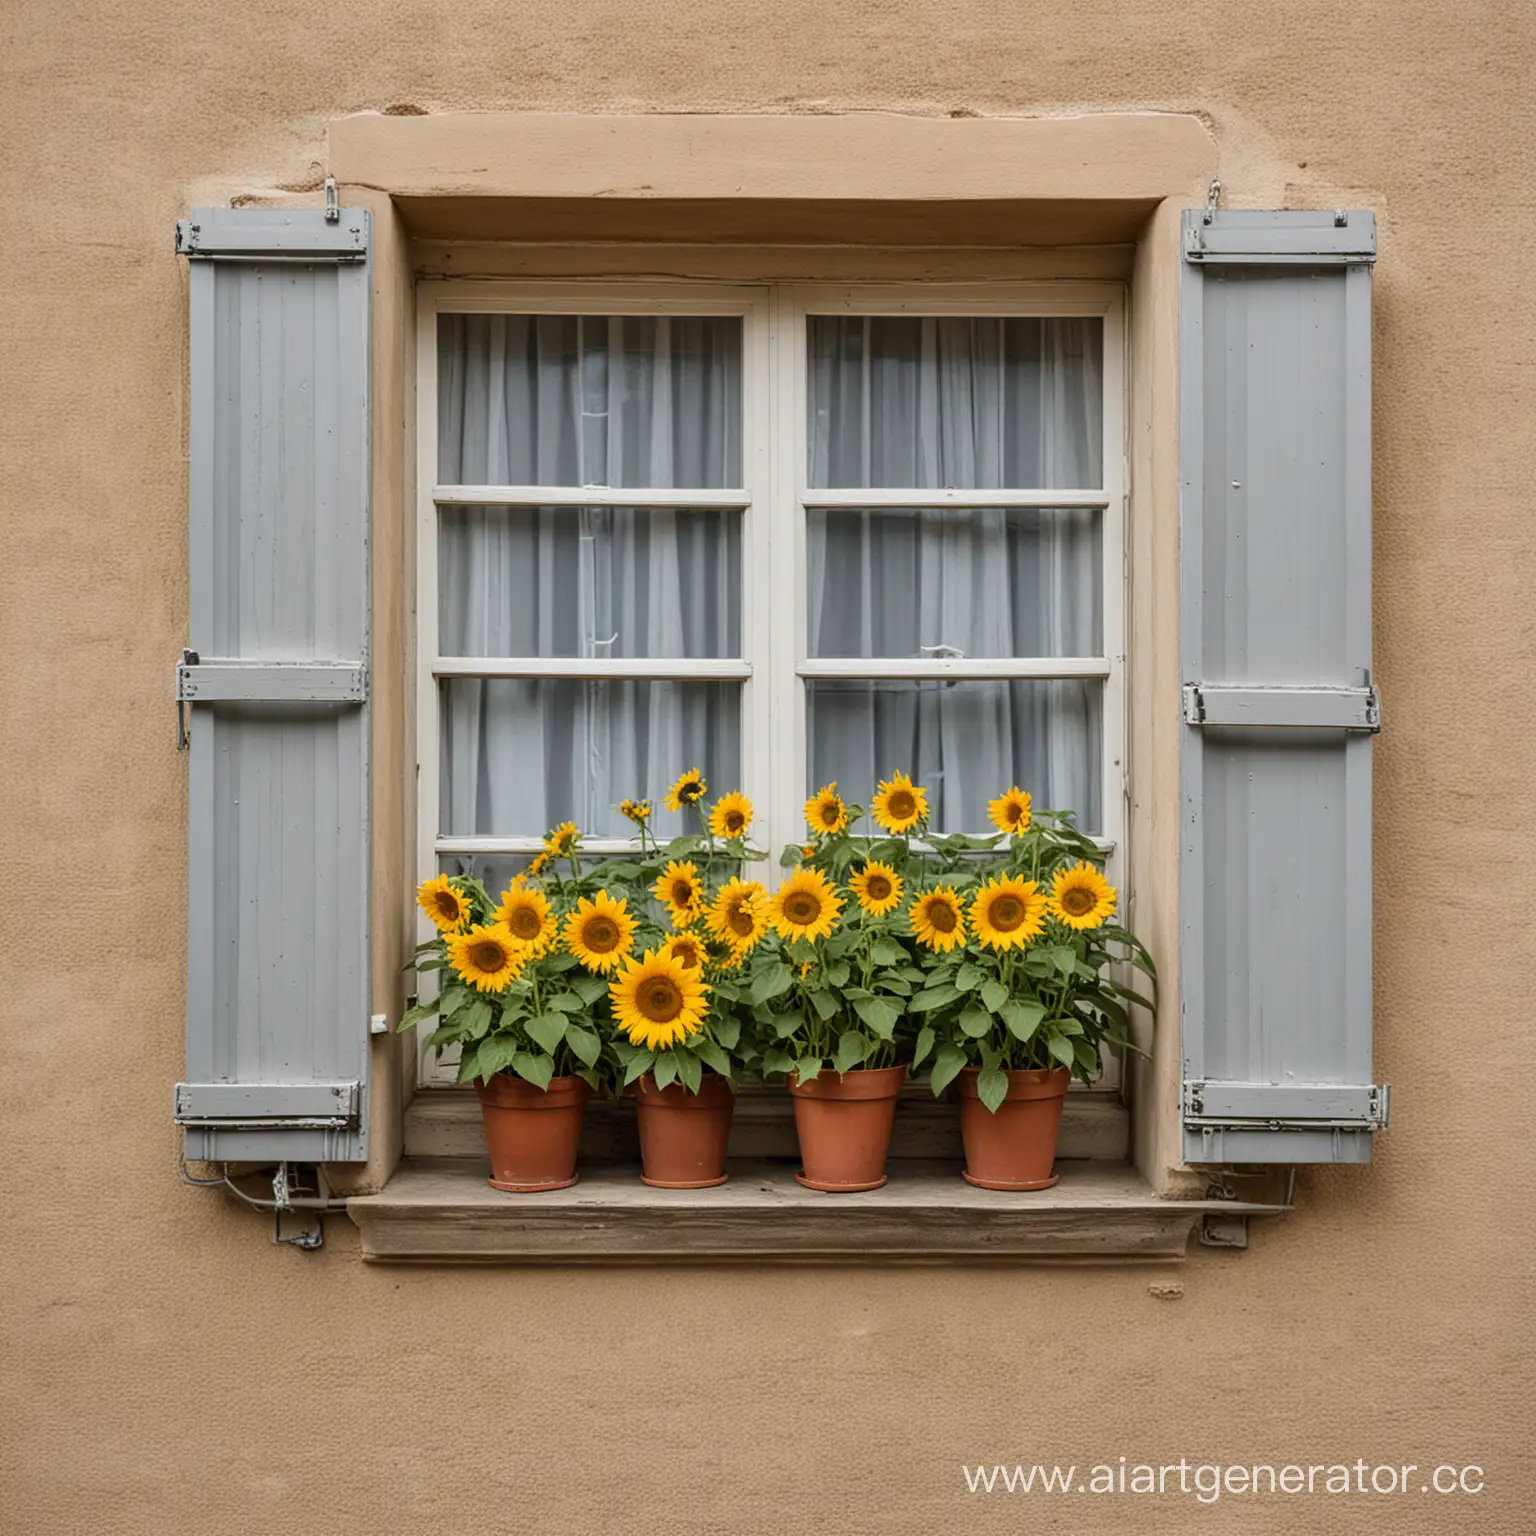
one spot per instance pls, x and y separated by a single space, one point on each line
922 1045
416 1014
1087 1059
785 1024
837 975
566 1002
451 999
690 1070
639 1064
881 1017
773 982
777 1061
808 1069
475 1019
946 1065
665 1069
469 1064
534 1069
824 1003
496 1055
728 1032
589 989
969 977
934 997
992 1088
547 1030
446 1034
851 1050
975 1020
1064 958
1061 1048
712 1056
584 1044
1022 1019
887 952
993 995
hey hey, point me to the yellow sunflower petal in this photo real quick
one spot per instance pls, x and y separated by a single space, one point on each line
1081 897
805 906
738 916
938 919
689 789
899 804
1007 912
825 811
658 1001
731 816
600 932
878 888
447 906
1010 812
680 891
486 957
524 912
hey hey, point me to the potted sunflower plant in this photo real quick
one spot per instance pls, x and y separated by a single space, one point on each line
521 979
837 993
677 1026
1019 995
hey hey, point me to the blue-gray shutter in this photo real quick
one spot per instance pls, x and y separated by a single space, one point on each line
275 686
1279 707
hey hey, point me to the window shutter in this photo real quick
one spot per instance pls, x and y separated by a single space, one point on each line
1279 708
274 684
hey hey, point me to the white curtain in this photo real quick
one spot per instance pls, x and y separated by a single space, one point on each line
936 403
624 402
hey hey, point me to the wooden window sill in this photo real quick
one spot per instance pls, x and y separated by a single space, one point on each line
442 1211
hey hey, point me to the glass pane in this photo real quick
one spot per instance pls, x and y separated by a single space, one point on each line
963 742
521 755
960 403
612 400
954 582
588 581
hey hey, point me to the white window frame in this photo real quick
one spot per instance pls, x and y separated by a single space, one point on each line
773 667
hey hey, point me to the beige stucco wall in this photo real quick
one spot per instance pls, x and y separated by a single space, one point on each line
166 1371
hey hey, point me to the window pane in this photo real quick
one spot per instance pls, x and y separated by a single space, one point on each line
963 742
520 755
588 581
954 582
960 403
611 400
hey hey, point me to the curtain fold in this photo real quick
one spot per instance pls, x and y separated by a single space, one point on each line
614 401
962 403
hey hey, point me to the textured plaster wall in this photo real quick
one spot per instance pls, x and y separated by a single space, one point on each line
166 1371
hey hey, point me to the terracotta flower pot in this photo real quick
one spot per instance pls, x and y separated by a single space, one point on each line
682 1134
1016 1147
532 1135
844 1125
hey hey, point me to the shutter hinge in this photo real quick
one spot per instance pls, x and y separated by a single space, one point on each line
1342 709
1285 1106
332 201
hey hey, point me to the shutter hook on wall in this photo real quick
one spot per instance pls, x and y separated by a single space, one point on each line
1212 198
332 201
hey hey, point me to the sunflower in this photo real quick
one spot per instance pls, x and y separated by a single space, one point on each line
900 804
562 839
938 922
825 811
487 957
739 915
447 907
878 888
1010 811
731 816
686 949
689 790
1081 897
805 906
1007 912
539 864
677 889
600 932
637 811
658 1001
524 913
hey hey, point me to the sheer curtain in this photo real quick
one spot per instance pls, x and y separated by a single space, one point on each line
934 403
614 401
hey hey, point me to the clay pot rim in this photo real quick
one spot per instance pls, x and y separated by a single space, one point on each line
1023 1082
713 1089
861 1083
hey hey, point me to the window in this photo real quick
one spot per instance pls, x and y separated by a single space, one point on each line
787 534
